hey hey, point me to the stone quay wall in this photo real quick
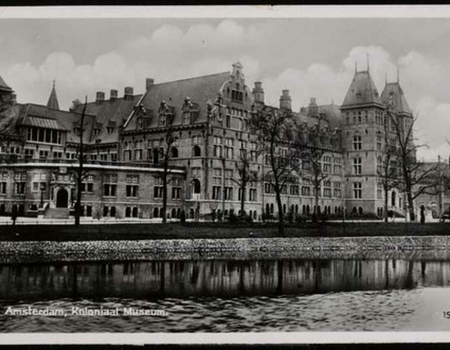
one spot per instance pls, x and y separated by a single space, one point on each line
241 248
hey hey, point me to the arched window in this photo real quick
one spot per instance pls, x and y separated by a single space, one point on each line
271 209
179 213
284 208
128 212
174 152
296 209
105 211
393 197
360 210
304 209
267 208
191 213
196 151
135 212
318 209
112 212
174 213
254 215
155 212
354 210
196 185
308 209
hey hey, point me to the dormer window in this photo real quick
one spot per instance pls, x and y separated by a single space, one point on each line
187 118
76 130
96 132
110 129
162 120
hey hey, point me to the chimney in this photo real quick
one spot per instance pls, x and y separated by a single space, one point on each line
100 97
113 95
313 109
128 93
149 82
285 100
258 93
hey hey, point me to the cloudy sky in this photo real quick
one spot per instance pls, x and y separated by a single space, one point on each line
310 57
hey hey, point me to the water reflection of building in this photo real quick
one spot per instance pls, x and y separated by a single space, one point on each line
216 278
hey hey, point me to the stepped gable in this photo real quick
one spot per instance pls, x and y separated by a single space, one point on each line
53 99
108 113
362 91
394 97
200 90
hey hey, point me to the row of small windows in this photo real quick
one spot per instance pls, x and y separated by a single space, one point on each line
363 116
44 135
306 209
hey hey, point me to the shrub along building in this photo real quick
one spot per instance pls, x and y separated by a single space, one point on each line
208 121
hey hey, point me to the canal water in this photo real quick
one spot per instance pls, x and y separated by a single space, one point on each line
228 296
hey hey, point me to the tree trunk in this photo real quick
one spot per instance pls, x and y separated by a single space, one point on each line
412 215
164 207
243 189
316 200
280 213
80 168
386 201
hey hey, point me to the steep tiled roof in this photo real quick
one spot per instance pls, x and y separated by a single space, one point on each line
42 116
109 113
47 123
8 120
200 90
53 99
3 85
394 97
362 91
332 114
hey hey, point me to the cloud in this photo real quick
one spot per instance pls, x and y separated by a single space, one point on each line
173 52
431 129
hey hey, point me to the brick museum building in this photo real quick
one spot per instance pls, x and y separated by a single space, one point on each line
208 116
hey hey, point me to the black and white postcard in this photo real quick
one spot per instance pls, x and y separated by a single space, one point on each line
243 174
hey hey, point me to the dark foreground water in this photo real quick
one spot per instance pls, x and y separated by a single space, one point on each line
228 296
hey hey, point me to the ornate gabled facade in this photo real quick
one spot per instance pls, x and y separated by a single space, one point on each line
208 118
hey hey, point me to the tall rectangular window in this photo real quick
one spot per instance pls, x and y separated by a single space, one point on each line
357 142
110 185
132 185
357 166
357 190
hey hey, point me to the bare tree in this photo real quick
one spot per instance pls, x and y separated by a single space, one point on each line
313 155
245 173
276 132
166 154
386 168
80 173
417 177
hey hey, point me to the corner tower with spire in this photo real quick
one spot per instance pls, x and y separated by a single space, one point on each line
53 99
362 113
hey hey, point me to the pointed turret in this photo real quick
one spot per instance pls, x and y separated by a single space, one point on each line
394 97
362 91
53 99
